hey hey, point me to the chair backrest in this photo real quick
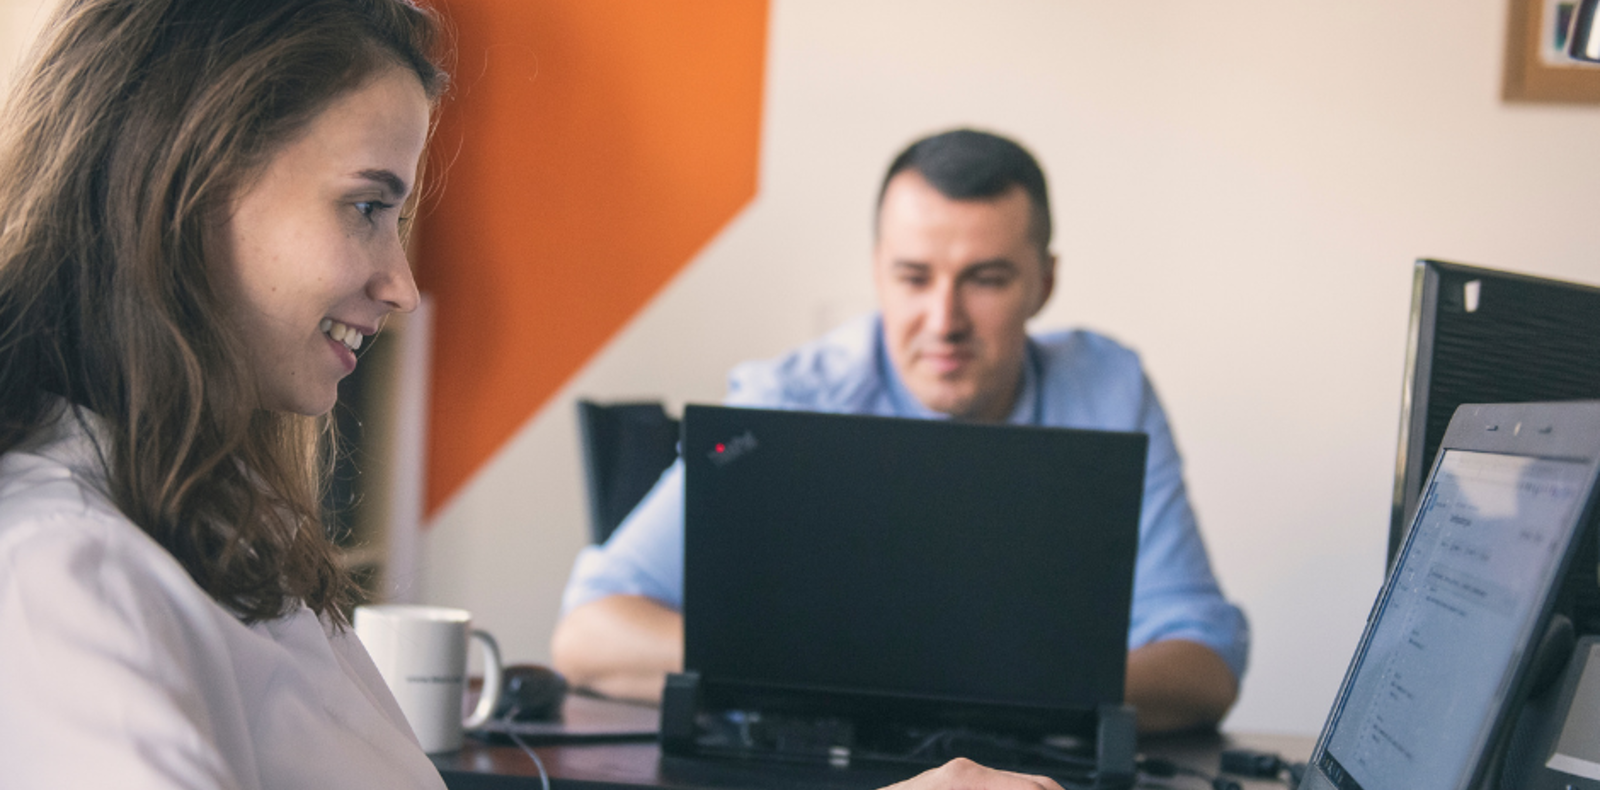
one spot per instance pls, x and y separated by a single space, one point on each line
626 447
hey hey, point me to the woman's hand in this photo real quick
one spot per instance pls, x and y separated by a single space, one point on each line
964 774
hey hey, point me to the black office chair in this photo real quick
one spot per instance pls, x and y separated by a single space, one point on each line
626 447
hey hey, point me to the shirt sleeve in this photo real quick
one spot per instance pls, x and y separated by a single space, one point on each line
103 669
1175 595
644 556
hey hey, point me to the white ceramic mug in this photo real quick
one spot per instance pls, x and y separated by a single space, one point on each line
421 651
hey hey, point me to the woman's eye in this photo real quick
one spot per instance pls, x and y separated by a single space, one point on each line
368 208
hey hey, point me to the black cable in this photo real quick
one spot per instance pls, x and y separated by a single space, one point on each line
544 776
1252 763
1162 768
1261 765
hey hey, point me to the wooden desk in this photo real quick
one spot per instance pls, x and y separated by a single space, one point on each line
629 766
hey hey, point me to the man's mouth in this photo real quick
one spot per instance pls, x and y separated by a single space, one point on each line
946 362
344 333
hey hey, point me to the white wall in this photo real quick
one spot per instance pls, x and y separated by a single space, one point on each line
1240 187
20 21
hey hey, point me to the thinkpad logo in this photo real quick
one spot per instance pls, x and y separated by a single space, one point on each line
724 453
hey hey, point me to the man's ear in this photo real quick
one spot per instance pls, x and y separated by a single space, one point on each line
1048 286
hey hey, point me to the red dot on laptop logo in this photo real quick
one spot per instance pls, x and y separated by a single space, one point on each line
724 453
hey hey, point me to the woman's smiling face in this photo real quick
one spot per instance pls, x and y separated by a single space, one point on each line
310 256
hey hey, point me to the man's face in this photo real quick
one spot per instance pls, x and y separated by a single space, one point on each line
957 282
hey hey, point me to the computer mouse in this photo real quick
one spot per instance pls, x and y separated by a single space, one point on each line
530 692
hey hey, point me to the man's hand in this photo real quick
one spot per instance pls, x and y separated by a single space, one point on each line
621 646
964 774
1179 685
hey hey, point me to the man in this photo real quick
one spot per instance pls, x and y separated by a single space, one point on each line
961 263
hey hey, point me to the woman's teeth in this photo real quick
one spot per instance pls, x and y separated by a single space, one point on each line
342 333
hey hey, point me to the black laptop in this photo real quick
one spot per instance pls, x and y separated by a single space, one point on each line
846 570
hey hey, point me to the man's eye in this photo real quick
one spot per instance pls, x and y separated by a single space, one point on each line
992 277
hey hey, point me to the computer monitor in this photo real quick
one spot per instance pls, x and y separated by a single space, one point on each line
1452 645
1484 336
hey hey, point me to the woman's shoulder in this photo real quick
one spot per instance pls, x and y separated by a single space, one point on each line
81 581
58 524
53 477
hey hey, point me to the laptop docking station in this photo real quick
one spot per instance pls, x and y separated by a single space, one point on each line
840 740
1115 746
680 710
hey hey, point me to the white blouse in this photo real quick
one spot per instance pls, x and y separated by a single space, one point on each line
117 670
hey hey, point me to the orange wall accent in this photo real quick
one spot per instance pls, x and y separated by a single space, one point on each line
588 150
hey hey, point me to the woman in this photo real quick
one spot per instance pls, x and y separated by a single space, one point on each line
200 222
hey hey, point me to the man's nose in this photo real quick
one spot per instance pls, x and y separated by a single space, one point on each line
947 314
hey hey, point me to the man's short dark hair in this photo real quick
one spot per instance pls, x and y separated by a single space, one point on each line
966 164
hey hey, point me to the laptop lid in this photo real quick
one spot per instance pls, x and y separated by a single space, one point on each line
930 570
1442 665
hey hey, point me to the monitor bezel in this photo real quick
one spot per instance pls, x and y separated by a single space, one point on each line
1428 275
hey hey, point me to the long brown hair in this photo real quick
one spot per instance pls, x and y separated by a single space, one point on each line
124 141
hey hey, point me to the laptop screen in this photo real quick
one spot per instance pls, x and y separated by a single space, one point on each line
912 559
1422 697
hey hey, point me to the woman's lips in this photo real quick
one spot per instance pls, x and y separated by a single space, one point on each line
347 358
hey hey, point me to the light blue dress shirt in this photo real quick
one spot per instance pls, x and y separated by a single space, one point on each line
1072 379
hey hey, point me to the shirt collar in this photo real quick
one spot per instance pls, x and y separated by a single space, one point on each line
1029 407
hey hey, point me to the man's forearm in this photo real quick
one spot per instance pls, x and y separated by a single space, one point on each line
621 646
1178 684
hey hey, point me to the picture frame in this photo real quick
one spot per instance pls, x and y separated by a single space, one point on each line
1536 70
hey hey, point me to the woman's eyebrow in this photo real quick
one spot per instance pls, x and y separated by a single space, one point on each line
391 182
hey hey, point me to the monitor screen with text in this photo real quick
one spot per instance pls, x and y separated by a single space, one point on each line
1445 645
